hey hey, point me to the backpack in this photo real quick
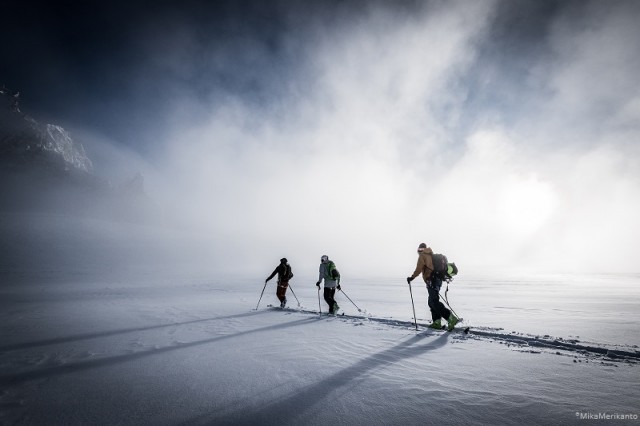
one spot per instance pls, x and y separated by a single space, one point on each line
288 272
332 271
442 269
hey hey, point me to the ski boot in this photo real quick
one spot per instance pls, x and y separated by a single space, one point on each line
283 303
453 320
335 308
436 325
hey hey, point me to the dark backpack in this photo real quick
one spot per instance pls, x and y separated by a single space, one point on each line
442 269
288 272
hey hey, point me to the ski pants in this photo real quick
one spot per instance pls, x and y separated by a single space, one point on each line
438 310
329 293
282 290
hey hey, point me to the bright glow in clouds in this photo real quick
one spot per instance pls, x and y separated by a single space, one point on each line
518 202
373 147
526 205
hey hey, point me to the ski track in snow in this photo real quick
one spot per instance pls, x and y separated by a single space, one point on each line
519 341
179 328
39 362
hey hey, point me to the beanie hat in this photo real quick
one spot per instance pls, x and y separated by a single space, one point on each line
422 245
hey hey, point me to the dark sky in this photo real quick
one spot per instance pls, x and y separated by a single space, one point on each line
111 65
115 66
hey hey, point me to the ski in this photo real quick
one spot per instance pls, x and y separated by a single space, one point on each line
285 308
388 321
444 327
464 330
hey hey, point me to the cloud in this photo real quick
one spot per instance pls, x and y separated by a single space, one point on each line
338 167
360 135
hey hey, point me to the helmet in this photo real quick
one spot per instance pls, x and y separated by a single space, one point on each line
324 258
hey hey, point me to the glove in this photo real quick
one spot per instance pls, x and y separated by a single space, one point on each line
318 284
338 286
408 280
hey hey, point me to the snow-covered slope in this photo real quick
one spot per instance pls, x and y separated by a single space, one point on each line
89 339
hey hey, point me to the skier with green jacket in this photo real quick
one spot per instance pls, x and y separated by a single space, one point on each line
331 277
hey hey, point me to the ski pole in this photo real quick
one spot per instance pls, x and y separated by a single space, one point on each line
359 310
294 295
319 308
446 300
415 320
265 286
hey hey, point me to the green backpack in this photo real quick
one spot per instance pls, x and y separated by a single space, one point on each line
332 272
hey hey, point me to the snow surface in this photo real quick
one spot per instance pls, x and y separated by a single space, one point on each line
89 339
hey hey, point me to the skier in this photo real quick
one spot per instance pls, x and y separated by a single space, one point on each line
438 310
284 275
331 277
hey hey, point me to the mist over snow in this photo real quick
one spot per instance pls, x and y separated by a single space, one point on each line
395 127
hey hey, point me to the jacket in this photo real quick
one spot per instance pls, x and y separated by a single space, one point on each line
324 274
284 272
424 266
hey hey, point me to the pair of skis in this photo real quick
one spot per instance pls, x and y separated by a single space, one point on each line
444 327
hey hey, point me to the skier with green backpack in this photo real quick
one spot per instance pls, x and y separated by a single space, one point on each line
434 269
331 277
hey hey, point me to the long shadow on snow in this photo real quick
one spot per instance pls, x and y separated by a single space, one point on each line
290 409
88 336
17 378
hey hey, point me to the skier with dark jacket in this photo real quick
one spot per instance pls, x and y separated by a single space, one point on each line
284 275
438 310
331 277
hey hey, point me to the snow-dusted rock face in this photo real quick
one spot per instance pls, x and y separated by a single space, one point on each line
23 140
42 169
58 141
